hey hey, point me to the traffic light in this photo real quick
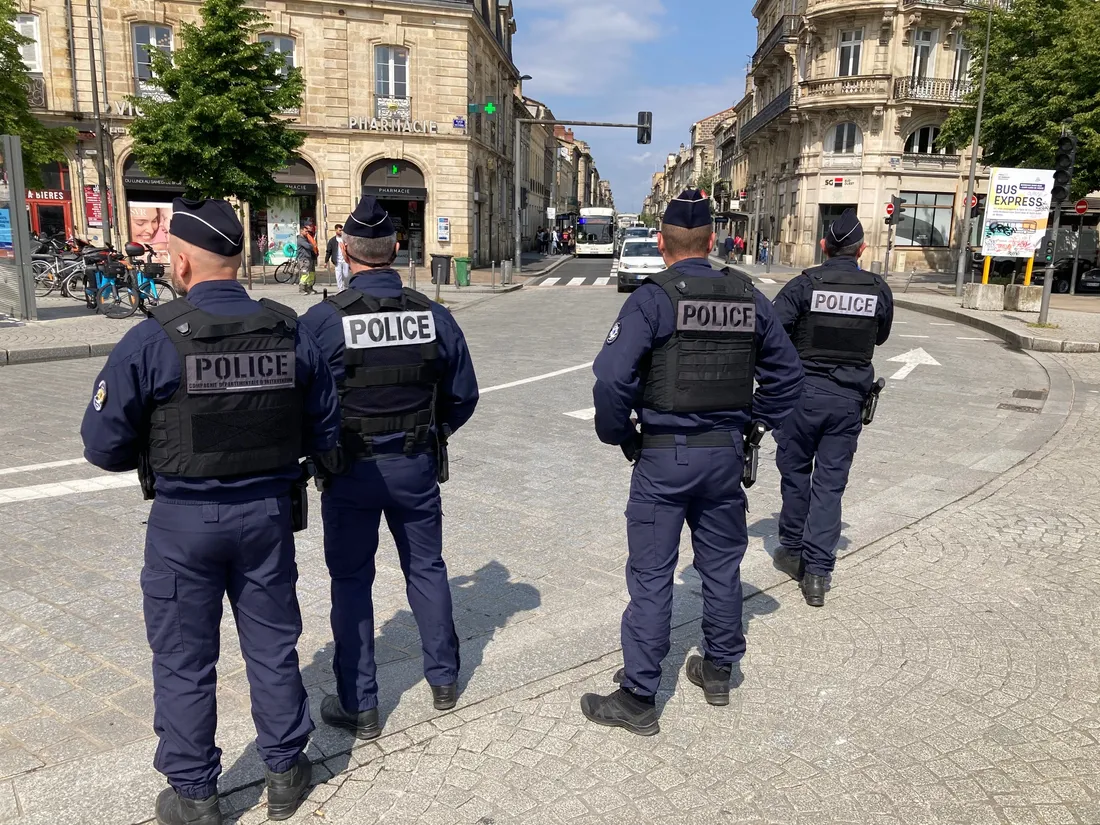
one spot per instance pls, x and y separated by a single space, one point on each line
1048 249
978 206
645 128
898 205
1064 160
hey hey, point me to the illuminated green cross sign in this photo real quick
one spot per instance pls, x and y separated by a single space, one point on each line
490 108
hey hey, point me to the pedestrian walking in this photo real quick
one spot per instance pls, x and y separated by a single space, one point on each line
836 314
555 242
764 251
307 257
334 256
407 384
177 402
729 246
739 245
695 404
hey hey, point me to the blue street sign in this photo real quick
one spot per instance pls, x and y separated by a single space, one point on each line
460 123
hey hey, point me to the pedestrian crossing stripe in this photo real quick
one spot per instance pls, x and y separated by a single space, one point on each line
589 280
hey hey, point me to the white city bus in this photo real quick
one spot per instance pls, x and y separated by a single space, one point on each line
596 231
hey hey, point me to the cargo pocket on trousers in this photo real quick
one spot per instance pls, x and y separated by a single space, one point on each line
641 534
162 611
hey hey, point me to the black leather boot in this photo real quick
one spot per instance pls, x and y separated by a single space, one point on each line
363 724
714 680
173 809
285 790
813 589
789 563
621 709
445 697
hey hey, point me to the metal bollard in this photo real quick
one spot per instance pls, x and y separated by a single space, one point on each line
506 273
412 274
493 281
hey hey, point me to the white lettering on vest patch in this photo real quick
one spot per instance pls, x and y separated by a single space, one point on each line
843 303
388 329
240 371
715 316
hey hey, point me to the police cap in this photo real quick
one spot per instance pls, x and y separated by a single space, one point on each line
369 220
690 210
209 224
845 230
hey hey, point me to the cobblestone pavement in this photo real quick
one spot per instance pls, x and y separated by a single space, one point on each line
879 708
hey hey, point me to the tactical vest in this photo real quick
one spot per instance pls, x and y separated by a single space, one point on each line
392 369
841 325
709 362
238 409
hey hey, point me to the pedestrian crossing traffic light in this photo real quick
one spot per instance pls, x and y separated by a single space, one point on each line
645 128
1064 160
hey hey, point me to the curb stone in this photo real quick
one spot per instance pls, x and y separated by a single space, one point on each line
1009 336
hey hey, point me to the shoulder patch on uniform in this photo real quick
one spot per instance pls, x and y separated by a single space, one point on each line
100 397
613 335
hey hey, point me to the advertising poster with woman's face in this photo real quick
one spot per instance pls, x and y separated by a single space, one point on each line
149 225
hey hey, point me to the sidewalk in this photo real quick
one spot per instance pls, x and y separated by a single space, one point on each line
65 329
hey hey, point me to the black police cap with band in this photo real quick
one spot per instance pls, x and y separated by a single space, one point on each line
845 230
690 210
209 224
369 220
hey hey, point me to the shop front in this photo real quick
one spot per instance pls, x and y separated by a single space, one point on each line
148 208
51 207
274 227
400 189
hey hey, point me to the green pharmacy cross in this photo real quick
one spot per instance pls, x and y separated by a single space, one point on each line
490 107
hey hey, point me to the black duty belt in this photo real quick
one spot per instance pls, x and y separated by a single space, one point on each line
720 438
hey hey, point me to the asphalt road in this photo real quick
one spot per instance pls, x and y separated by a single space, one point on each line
535 542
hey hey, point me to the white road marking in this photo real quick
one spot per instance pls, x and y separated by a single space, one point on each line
767 280
964 338
81 485
900 322
576 281
49 465
937 324
550 281
601 281
583 415
535 378
912 336
912 359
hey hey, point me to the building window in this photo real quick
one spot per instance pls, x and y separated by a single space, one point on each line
844 139
391 64
924 47
146 37
27 25
851 44
283 45
962 60
926 220
924 141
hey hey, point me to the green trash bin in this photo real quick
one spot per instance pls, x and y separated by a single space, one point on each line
462 271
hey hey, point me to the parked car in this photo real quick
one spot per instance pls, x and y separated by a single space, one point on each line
1088 276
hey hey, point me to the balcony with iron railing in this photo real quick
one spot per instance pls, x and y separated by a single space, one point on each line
1004 5
816 8
769 113
871 88
393 108
931 89
145 87
930 162
783 31
36 91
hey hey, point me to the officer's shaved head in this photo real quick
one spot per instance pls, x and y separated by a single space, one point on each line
192 265
677 243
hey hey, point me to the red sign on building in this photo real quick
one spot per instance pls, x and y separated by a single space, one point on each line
93 206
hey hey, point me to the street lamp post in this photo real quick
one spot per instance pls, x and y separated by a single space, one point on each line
964 245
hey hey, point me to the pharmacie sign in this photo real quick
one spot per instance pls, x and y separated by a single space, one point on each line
393 125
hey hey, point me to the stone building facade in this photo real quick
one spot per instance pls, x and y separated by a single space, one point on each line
389 85
845 105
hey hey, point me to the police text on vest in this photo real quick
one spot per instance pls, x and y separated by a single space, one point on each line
843 303
388 329
716 316
240 371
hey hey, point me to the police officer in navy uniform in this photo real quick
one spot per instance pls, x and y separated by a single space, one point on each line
406 384
216 397
682 356
836 314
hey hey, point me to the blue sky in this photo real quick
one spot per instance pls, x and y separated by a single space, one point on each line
607 59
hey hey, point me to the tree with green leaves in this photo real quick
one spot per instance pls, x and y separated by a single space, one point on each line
218 132
41 144
1039 78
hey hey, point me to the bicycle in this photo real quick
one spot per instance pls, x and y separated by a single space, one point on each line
290 271
139 286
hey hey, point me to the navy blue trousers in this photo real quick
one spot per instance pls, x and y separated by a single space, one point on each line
702 486
195 554
815 448
404 489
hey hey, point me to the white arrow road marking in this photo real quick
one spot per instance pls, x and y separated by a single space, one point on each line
583 415
912 359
